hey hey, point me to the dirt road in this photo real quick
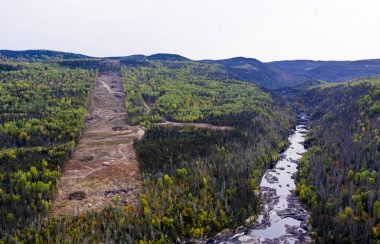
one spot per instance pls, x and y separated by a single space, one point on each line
104 164
196 125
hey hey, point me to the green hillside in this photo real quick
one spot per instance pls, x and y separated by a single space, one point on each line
339 175
189 91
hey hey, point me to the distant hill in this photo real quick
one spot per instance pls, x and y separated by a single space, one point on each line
37 55
142 60
330 71
249 69
154 57
166 57
281 74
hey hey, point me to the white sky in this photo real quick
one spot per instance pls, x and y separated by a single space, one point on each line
263 29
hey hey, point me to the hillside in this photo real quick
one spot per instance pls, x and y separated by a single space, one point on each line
189 91
251 70
339 176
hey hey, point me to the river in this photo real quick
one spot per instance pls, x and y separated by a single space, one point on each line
283 218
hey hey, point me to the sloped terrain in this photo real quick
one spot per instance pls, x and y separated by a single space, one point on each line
339 176
250 70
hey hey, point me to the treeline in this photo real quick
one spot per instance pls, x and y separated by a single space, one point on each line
42 110
92 64
37 55
339 175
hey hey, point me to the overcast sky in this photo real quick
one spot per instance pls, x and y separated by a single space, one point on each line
264 29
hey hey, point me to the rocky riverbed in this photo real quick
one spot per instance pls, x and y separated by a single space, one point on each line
283 219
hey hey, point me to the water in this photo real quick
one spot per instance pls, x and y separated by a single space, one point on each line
282 216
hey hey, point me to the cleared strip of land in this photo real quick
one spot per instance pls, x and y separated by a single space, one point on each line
104 164
196 125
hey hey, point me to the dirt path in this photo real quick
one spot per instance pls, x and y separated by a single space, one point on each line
104 164
188 124
197 125
146 106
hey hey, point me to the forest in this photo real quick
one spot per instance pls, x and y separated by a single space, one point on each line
339 175
188 91
42 112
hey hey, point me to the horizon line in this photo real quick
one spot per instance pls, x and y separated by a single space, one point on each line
197 60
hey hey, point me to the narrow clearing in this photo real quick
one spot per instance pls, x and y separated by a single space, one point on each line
196 125
104 164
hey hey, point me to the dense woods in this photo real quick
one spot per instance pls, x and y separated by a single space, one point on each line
42 112
339 175
213 175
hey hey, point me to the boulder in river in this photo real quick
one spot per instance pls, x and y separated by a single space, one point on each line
271 178
304 225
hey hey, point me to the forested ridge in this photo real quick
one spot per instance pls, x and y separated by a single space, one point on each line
339 175
37 55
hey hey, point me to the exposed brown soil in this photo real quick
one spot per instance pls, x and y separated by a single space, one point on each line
104 164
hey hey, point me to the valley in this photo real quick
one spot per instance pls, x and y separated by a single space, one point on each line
163 149
282 218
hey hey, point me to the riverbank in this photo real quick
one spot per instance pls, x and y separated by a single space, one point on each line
282 218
